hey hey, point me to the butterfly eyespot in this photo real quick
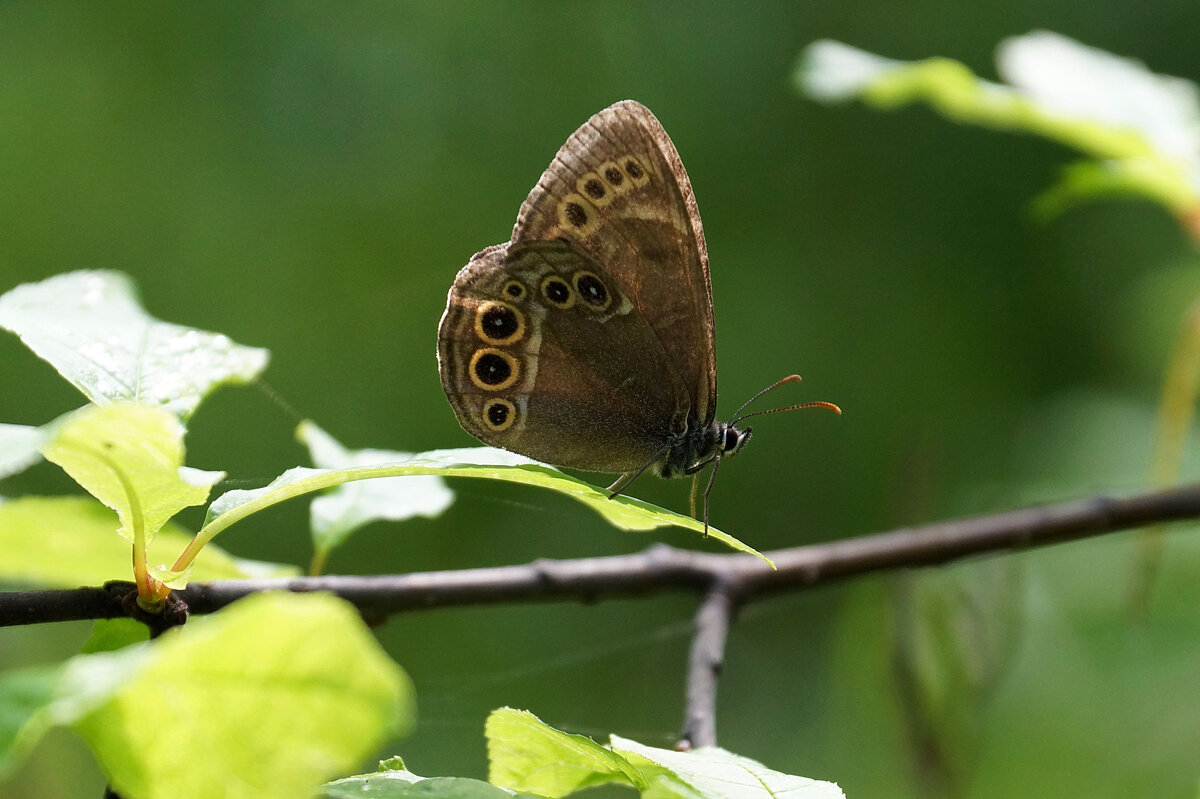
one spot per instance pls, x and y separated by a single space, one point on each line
576 214
592 291
557 292
493 370
614 176
591 186
515 289
498 415
594 188
636 170
499 323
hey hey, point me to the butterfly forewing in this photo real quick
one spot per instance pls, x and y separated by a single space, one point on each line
618 190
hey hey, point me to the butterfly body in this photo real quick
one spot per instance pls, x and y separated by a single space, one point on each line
587 340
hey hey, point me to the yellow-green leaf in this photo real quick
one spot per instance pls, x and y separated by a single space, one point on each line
69 541
130 457
264 700
626 513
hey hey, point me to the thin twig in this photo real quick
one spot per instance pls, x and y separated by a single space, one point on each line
705 661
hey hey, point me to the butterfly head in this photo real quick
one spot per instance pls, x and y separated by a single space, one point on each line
732 439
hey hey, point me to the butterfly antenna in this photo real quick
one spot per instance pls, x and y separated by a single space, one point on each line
739 416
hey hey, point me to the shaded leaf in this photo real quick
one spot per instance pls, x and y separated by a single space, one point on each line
338 513
24 697
20 447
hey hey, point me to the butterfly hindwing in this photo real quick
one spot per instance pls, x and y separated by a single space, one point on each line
542 352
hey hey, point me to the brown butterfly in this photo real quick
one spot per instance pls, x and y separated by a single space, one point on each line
587 341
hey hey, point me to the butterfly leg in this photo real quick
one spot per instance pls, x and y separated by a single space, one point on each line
619 485
692 497
712 476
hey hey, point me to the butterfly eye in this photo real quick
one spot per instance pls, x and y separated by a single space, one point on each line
591 289
557 292
499 415
515 289
493 370
499 323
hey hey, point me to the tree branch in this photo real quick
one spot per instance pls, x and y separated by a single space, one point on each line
726 580
662 567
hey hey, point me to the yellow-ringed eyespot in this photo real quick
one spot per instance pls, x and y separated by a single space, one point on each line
515 290
591 290
557 292
499 323
493 370
614 176
498 415
576 214
636 169
591 186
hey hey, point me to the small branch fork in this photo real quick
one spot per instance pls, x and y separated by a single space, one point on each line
725 581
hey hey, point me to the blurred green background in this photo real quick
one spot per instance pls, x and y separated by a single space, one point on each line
309 178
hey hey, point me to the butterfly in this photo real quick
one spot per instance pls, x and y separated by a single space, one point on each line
587 340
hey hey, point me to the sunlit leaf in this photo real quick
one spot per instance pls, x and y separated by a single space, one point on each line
265 699
526 754
69 541
715 773
90 327
130 457
623 512
389 783
1144 127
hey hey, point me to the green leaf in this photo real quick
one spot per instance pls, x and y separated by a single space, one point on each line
69 541
340 512
20 447
623 512
715 773
265 699
109 635
525 754
395 784
90 327
24 697
1142 127
35 699
130 457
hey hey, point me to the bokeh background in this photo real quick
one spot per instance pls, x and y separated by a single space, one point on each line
310 177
